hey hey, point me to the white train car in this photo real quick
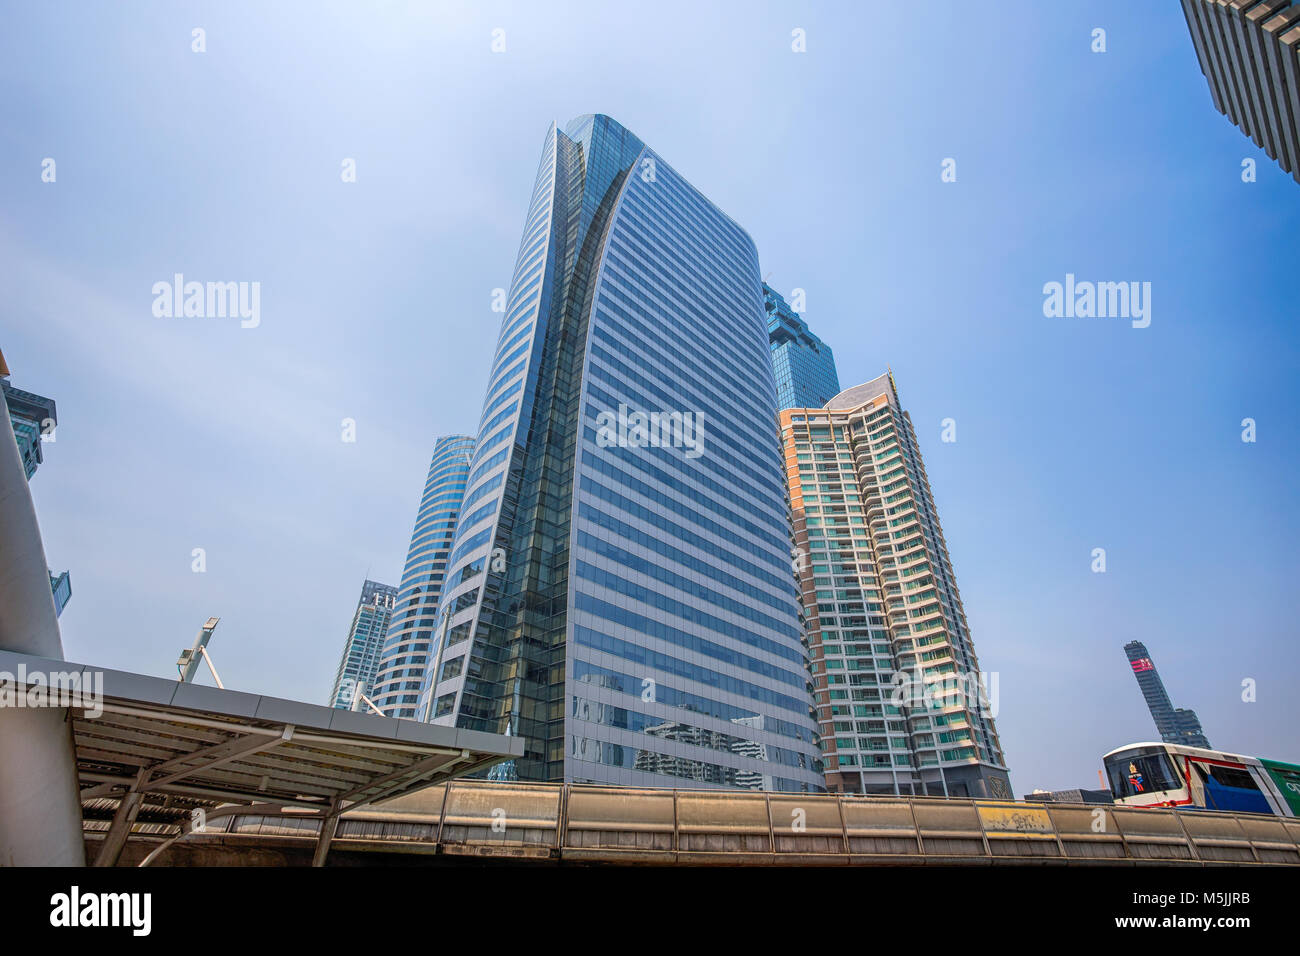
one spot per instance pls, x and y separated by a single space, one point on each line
1170 775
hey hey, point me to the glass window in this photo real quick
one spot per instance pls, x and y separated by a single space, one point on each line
1140 772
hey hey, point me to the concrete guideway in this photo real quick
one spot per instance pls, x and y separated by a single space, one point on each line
475 821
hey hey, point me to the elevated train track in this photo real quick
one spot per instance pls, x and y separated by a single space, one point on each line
469 821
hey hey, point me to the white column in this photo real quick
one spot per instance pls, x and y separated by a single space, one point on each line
40 810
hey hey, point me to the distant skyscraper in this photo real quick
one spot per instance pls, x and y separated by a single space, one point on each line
1175 726
404 657
365 638
901 702
61 585
619 592
33 416
1248 52
802 363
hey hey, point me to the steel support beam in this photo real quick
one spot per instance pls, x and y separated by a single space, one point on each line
216 755
128 808
399 780
328 827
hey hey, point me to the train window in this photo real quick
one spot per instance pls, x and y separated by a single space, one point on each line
1233 777
1135 774
1233 788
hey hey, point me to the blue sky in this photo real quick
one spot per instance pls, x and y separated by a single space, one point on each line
1072 434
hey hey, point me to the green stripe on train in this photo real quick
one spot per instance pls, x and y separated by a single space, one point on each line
1287 778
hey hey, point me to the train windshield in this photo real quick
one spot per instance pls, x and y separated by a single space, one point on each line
1141 771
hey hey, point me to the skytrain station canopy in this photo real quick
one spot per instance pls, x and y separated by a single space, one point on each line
158 745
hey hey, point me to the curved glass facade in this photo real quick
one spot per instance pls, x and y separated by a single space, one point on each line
404 658
620 591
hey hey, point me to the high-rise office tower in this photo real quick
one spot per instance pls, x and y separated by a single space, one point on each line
33 418
360 658
901 702
620 592
803 364
404 657
1249 51
1175 725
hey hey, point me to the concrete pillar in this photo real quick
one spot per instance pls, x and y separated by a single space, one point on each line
40 810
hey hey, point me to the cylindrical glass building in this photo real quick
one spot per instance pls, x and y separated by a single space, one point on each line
405 654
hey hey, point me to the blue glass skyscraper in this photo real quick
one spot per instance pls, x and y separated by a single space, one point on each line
803 365
365 641
61 585
405 655
620 591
